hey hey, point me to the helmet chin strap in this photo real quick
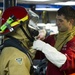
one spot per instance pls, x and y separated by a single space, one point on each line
30 38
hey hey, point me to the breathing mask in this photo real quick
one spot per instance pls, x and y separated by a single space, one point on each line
34 18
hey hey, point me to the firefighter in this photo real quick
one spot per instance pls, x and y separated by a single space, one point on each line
15 25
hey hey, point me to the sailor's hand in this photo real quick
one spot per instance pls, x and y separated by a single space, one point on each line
42 34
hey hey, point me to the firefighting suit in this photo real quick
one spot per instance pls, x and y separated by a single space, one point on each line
12 60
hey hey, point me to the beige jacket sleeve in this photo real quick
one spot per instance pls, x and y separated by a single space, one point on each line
18 66
14 62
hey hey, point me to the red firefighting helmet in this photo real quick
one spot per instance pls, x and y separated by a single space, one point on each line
11 19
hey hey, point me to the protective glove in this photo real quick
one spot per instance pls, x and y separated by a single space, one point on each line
54 56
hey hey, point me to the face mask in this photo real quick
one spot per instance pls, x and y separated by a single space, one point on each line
33 28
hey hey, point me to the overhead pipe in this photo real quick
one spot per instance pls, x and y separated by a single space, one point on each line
9 3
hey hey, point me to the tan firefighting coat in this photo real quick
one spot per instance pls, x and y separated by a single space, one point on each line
12 60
